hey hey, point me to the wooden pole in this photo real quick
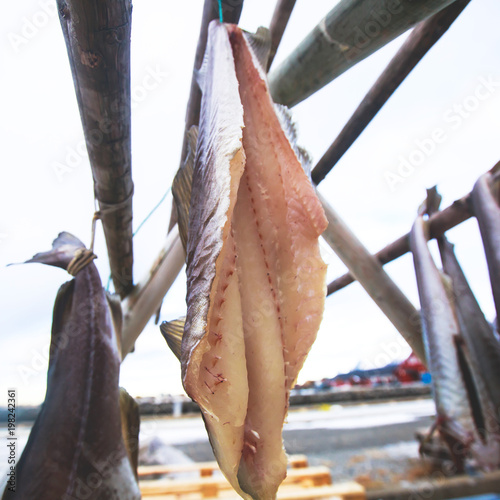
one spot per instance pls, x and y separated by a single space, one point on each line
421 39
458 212
281 16
97 36
350 32
147 296
372 277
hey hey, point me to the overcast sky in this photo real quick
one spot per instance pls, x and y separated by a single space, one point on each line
47 186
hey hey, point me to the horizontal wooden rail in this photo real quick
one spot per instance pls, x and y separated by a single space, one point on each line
458 212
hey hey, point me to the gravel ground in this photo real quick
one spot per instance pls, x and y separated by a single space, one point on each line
376 456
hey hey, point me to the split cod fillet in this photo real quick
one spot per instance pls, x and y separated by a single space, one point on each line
255 277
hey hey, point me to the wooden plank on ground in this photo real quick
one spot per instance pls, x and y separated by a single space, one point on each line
441 487
210 486
341 491
205 468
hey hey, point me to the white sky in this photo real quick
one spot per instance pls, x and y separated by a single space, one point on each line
41 129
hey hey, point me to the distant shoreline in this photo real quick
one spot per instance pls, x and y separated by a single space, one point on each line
177 405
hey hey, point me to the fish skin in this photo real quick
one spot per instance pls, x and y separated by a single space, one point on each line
277 222
483 357
75 449
441 332
213 187
487 213
255 277
477 332
131 423
210 266
181 186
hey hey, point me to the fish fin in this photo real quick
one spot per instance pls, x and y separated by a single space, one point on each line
260 43
63 250
431 203
287 124
115 308
158 312
200 74
173 331
181 186
130 421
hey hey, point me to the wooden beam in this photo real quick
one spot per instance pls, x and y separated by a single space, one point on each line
97 35
205 468
281 16
147 296
372 277
312 476
421 39
350 32
458 212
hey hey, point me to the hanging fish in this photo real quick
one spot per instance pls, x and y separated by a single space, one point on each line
441 338
75 448
482 346
255 277
487 212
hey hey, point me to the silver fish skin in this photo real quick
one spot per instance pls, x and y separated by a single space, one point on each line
441 332
482 351
75 449
487 213
476 330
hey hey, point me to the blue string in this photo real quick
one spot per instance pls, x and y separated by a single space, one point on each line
152 212
221 19
154 209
